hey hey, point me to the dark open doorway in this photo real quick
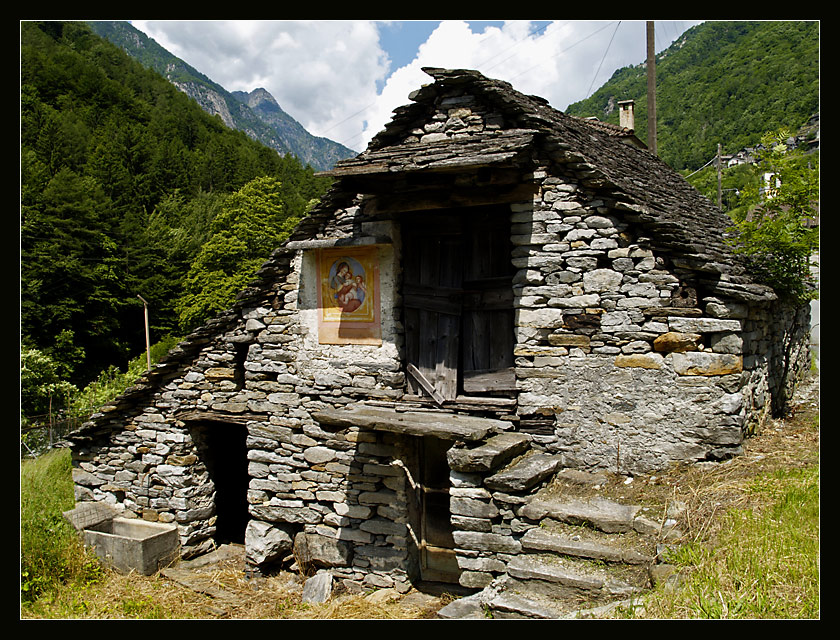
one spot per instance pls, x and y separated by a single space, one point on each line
221 447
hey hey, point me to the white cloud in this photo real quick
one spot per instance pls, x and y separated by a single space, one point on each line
562 62
320 72
325 73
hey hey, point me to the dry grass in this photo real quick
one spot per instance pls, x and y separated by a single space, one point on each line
224 592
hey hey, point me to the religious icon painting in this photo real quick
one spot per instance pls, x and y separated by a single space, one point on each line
348 296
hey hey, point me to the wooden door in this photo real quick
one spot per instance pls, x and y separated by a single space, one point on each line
458 302
432 297
436 544
487 309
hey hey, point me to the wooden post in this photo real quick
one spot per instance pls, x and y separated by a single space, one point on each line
651 88
146 318
720 195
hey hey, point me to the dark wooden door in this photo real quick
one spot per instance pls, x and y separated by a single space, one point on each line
458 302
487 310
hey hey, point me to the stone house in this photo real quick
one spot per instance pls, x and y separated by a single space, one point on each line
491 293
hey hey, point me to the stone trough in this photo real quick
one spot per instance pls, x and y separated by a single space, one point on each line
128 544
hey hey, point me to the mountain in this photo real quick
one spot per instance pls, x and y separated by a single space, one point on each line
257 113
720 82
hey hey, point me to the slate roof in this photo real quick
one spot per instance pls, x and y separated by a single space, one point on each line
681 222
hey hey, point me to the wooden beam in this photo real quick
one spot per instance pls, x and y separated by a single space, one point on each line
428 387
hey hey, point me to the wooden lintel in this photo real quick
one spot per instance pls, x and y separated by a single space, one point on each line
451 198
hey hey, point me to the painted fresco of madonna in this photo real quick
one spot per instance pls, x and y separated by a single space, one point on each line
347 284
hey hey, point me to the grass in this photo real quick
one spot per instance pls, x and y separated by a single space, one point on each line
752 525
52 555
751 547
763 560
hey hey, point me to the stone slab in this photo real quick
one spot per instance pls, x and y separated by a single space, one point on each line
490 455
600 513
447 426
525 473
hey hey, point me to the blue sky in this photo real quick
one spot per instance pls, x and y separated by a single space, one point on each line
402 38
341 79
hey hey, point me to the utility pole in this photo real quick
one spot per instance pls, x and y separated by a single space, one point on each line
146 317
720 195
651 88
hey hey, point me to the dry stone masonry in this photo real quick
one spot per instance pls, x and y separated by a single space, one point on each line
637 341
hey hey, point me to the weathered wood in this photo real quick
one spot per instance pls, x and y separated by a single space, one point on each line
424 383
496 380
445 198
432 279
219 416
484 403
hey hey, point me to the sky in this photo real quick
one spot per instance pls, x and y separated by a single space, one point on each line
342 79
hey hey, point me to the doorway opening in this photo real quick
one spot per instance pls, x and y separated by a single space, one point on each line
221 447
429 511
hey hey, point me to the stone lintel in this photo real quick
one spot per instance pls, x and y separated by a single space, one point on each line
438 424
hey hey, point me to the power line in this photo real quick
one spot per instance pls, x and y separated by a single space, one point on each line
564 50
545 30
589 91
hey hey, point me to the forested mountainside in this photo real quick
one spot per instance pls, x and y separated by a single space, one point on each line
123 178
256 113
720 82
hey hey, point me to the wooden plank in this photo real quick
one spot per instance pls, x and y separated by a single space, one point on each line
219 416
446 360
448 198
427 386
489 380
450 305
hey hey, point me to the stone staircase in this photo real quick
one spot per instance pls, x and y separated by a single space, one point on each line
586 556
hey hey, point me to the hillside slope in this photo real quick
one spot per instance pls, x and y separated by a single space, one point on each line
720 82
122 176
257 114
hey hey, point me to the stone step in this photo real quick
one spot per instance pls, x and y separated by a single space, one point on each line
568 576
539 590
524 473
489 456
521 604
540 539
596 512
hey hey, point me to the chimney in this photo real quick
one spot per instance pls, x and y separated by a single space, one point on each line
626 118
